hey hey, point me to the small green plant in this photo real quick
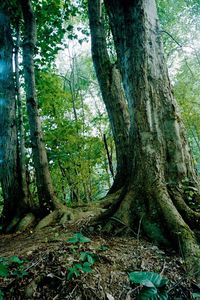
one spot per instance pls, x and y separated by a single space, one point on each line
77 269
78 238
89 257
15 259
86 259
4 272
153 285
20 272
196 295
12 266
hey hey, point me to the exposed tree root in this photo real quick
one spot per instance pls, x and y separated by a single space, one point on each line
57 216
26 222
180 232
159 218
191 217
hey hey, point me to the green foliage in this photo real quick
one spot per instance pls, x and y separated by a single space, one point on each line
19 272
50 16
12 266
86 259
180 20
153 285
77 269
196 295
75 153
186 90
78 238
89 257
74 271
4 272
16 259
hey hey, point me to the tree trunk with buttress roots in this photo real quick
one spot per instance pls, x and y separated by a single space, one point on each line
161 169
110 83
46 195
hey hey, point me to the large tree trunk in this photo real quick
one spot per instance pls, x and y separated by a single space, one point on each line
162 167
109 79
47 199
8 132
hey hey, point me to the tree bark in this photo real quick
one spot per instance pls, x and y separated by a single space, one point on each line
109 156
8 130
161 167
110 83
20 128
47 199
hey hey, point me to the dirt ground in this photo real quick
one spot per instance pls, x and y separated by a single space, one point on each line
47 256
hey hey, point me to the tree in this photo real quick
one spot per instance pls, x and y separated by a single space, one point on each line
109 79
161 166
22 174
46 195
8 132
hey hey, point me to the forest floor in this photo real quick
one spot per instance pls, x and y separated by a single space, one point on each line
44 259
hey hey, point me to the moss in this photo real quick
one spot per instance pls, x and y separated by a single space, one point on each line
154 232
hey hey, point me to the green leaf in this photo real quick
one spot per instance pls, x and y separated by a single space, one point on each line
147 283
86 267
78 238
151 294
145 278
147 293
74 271
83 239
91 259
78 266
151 283
73 240
83 256
3 271
196 295
20 273
16 259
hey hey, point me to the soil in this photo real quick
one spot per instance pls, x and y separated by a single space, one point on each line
47 256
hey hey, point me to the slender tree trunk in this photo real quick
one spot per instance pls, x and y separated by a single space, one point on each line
21 135
109 79
8 131
162 166
45 190
109 157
